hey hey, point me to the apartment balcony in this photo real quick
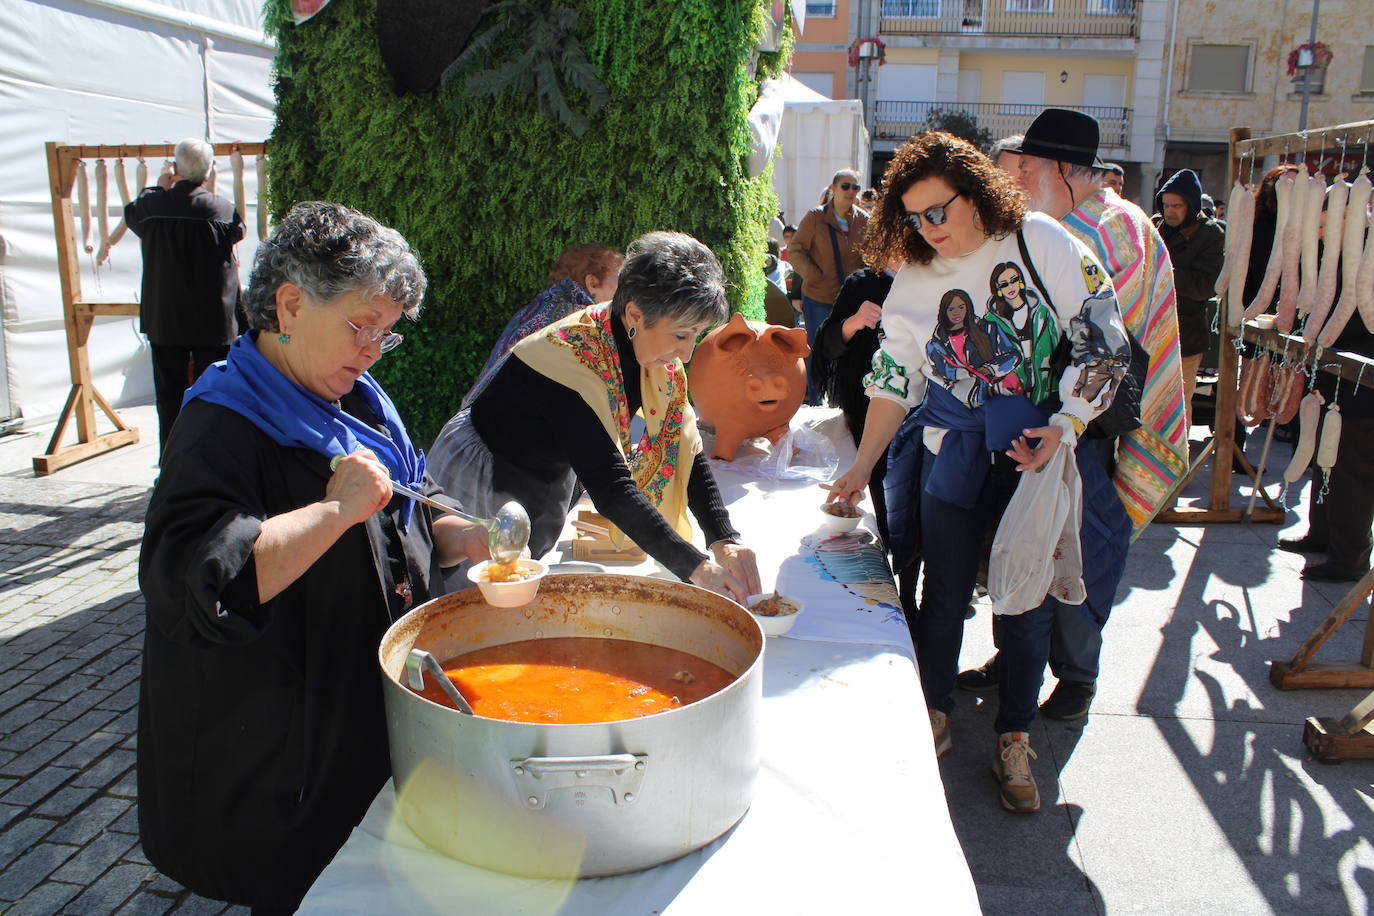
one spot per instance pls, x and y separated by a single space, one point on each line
1009 18
900 120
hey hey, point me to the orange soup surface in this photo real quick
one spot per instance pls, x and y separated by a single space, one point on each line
571 679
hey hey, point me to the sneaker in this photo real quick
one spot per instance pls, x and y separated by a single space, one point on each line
939 730
1070 700
977 680
1011 767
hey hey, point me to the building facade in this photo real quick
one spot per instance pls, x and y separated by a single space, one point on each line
1229 66
993 65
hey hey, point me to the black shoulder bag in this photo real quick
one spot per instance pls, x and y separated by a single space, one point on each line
1123 414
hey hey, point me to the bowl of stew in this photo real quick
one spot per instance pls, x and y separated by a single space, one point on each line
508 585
775 613
839 517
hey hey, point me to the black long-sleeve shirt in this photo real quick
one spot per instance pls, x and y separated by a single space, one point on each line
190 273
541 433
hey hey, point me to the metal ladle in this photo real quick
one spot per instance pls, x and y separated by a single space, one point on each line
507 535
418 662
508 532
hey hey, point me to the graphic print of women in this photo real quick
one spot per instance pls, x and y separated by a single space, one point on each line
961 341
1015 308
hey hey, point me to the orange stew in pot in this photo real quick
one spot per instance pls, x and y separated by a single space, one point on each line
573 679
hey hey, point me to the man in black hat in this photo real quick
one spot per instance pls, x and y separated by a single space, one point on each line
1197 245
1063 177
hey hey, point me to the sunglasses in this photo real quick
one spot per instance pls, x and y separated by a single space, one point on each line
1009 284
935 215
369 334
846 186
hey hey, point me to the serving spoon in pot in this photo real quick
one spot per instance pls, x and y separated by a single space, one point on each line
419 663
508 534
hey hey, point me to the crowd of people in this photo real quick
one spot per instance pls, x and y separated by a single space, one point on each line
979 318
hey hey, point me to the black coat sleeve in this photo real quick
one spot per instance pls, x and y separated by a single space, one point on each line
196 566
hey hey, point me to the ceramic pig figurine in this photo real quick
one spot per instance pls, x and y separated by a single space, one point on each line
747 379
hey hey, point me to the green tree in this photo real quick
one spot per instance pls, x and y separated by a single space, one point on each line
961 123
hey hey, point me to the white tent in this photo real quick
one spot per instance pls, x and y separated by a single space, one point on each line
819 137
108 72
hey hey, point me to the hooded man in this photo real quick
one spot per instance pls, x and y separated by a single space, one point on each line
1196 244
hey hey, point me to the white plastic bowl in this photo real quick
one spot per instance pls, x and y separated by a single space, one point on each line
776 625
838 524
509 594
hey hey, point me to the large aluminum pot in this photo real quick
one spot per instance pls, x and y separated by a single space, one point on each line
577 800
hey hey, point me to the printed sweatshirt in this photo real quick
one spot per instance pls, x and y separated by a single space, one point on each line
980 327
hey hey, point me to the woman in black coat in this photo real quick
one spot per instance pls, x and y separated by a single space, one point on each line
270 577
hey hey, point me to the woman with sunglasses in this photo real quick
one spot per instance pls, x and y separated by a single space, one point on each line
274 558
826 249
957 221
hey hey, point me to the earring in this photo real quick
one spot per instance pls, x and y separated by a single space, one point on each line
284 338
632 332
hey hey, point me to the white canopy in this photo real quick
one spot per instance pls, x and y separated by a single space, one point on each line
108 72
819 137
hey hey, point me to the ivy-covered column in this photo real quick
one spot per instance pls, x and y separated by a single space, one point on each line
567 122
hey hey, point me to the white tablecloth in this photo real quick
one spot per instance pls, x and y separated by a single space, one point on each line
849 814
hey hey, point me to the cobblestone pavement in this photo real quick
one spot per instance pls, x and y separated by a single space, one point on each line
71 635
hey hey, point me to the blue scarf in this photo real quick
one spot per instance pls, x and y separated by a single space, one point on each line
962 464
249 385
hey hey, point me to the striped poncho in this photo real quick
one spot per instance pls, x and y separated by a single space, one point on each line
1151 459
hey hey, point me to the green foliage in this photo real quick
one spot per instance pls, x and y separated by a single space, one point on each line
548 56
963 124
490 190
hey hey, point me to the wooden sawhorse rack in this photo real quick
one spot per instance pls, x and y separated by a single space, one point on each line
79 315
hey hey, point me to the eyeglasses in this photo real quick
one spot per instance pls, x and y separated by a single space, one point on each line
1010 284
936 215
846 186
369 334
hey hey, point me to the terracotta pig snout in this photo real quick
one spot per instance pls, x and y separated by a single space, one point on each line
747 379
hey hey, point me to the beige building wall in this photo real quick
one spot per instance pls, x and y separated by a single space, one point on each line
1270 102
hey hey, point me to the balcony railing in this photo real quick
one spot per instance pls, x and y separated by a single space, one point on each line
900 120
1010 18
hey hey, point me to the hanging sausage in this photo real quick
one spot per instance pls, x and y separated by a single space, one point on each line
1336 199
1283 192
1352 250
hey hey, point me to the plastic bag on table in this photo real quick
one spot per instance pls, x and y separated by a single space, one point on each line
1026 565
802 453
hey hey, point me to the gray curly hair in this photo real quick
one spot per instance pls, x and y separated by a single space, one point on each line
671 275
329 250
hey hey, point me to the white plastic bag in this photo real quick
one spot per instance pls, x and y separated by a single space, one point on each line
803 453
1036 551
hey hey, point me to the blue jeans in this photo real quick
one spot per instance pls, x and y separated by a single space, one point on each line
1075 643
952 546
814 314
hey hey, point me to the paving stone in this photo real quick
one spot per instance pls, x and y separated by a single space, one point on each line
113 660
137 855
56 673
127 823
91 862
31 737
126 786
87 724
69 686
86 750
66 800
111 890
145 903
124 698
32 790
195 905
24 834
45 899
23 714
84 825
165 885
83 702
110 767
32 867
9 812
